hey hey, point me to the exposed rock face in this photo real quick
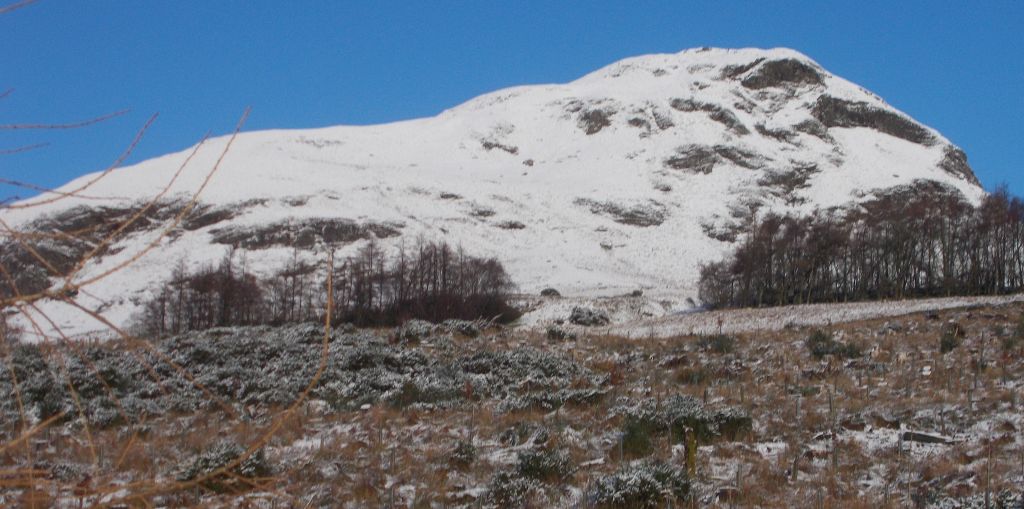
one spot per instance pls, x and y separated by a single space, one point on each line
833 112
714 111
694 158
302 234
641 214
955 162
787 71
702 159
592 121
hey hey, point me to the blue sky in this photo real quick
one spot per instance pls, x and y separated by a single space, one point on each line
955 66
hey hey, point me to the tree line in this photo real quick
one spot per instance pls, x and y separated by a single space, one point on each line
430 281
921 240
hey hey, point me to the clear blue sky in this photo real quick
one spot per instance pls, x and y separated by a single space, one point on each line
956 66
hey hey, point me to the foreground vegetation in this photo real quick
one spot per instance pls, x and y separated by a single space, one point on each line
923 410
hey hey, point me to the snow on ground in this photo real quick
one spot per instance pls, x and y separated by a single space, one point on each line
777 318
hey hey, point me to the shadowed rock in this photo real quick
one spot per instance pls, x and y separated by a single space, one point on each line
776 73
302 234
592 121
954 161
714 111
833 112
647 214
702 158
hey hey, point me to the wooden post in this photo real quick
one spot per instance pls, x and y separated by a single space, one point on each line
691 452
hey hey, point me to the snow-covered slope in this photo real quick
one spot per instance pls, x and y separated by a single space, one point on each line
626 178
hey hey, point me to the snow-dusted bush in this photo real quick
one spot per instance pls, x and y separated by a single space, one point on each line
948 342
717 343
640 485
556 333
680 412
414 331
821 343
42 394
1005 499
588 317
524 432
508 490
266 367
464 327
544 465
222 454
463 455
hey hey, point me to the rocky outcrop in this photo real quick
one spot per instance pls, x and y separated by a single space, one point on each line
954 161
833 112
714 111
702 158
646 214
784 72
302 233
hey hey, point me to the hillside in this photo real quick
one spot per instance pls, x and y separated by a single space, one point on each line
627 178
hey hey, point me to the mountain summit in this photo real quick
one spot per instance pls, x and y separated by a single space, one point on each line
629 177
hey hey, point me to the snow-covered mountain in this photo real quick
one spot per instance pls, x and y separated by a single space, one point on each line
627 178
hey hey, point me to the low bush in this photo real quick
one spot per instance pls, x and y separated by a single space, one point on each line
637 437
949 341
717 343
640 485
821 343
463 455
544 465
679 413
694 375
219 456
508 490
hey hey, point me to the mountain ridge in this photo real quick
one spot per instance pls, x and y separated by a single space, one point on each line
629 177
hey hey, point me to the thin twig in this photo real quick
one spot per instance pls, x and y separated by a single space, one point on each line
71 125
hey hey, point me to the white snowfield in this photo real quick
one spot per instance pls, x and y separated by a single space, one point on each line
596 187
732 321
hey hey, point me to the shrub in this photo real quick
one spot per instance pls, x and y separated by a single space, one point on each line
821 343
41 393
640 485
637 437
544 465
718 343
524 432
949 341
509 490
463 327
1012 341
463 456
680 412
216 458
556 333
692 375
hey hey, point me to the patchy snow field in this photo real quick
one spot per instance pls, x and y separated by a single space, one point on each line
732 321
